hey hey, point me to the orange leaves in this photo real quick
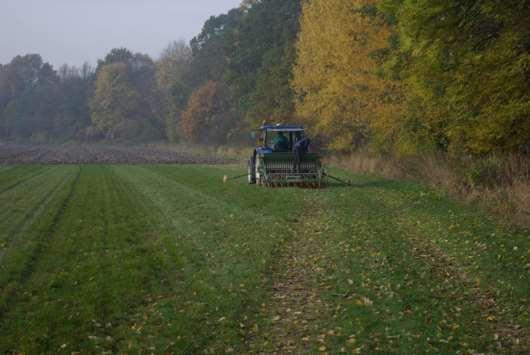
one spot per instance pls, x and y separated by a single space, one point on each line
207 117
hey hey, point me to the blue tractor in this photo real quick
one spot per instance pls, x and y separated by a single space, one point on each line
282 158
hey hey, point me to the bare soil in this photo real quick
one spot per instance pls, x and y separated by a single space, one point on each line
11 154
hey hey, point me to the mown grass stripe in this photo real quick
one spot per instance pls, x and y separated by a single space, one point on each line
224 260
482 248
29 267
167 259
12 173
21 180
14 278
20 225
384 298
249 200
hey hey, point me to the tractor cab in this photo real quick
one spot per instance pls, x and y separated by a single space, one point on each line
279 138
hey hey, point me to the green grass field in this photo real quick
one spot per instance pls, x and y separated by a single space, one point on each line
168 259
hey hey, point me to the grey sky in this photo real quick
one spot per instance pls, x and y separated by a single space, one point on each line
74 31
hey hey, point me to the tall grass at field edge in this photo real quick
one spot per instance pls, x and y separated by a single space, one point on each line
501 185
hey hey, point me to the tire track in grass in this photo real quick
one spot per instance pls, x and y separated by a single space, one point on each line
508 335
19 198
132 176
456 308
118 195
38 250
77 285
222 254
109 193
29 217
115 198
49 233
8 174
296 310
383 299
130 249
21 181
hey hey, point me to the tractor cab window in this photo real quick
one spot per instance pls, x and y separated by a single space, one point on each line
281 141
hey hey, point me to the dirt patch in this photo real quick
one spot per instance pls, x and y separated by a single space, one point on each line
295 310
11 154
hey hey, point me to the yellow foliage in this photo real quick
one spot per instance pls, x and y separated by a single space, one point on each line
341 92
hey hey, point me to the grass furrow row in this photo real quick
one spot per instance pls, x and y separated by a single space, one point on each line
223 261
497 258
19 263
18 176
21 210
168 259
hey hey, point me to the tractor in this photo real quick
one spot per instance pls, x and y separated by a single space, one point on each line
282 158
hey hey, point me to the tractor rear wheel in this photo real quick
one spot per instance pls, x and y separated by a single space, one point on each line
251 171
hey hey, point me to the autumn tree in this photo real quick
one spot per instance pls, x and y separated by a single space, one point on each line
341 90
251 49
126 102
208 117
115 99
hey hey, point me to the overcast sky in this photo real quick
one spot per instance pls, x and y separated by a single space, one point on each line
75 31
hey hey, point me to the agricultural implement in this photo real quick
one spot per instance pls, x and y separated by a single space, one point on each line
282 158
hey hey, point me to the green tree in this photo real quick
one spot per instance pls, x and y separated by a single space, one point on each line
261 58
74 93
210 48
28 97
273 96
172 70
466 67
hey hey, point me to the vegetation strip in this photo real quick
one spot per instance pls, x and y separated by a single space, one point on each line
19 181
25 222
169 259
509 336
38 250
481 247
295 308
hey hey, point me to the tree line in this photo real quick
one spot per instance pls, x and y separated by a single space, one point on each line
411 76
399 76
